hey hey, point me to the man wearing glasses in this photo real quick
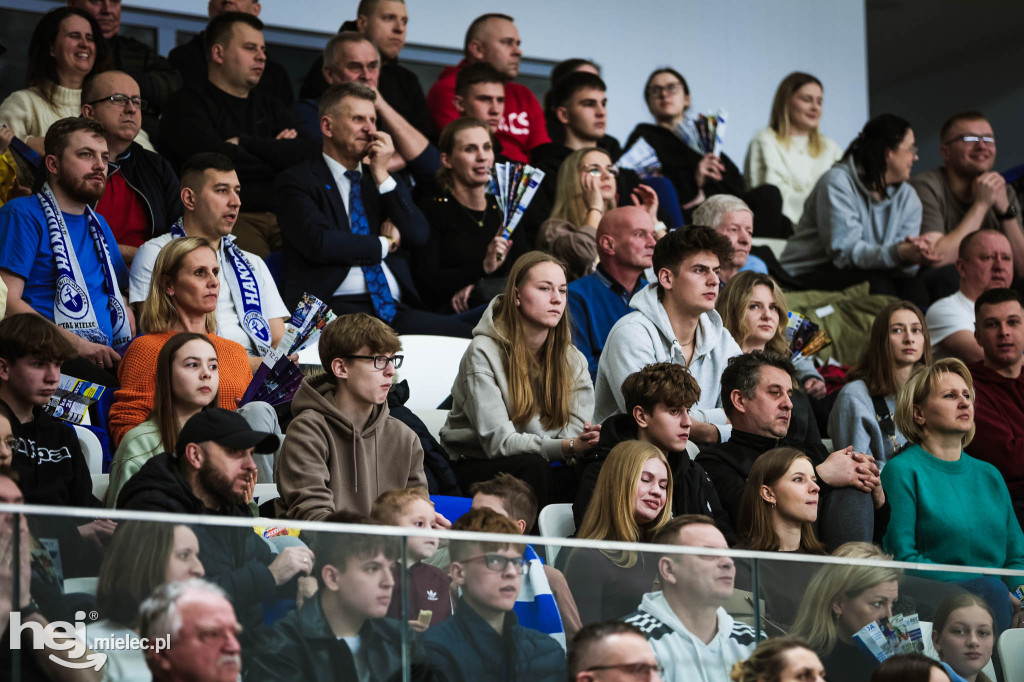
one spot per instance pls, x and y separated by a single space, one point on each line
343 448
612 651
141 197
966 195
484 640
685 622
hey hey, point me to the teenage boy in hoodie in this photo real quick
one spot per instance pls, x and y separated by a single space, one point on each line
659 398
692 635
48 457
674 320
484 640
343 448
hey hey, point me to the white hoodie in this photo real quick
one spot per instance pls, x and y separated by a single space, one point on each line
644 337
684 656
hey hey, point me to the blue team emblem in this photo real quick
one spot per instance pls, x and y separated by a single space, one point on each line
255 323
72 299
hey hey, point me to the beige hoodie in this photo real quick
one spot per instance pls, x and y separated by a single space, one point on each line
326 465
478 425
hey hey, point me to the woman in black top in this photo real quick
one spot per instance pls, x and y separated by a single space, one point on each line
465 259
695 176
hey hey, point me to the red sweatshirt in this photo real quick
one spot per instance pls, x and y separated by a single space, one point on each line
999 417
522 127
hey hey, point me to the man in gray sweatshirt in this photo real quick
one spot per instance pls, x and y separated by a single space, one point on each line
674 320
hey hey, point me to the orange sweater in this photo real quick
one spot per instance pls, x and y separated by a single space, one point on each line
137 374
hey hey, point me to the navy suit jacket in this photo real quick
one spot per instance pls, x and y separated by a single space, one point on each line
319 247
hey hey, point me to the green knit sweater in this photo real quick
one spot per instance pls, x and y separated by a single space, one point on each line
950 513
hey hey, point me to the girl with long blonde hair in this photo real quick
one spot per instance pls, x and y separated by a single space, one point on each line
523 396
632 501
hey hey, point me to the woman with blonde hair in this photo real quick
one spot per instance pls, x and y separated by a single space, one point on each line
466 257
780 659
840 600
948 507
141 557
585 191
523 396
632 501
182 298
862 414
754 310
791 153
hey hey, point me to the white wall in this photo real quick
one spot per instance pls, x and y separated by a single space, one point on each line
733 53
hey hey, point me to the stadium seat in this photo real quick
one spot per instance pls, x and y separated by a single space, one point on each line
776 245
555 521
430 366
450 506
264 492
1011 653
433 420
99 486
91 448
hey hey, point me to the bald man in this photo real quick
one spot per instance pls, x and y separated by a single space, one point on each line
625 244
141 197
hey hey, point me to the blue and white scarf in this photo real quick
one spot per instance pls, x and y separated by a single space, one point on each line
245 291
535 606
72 308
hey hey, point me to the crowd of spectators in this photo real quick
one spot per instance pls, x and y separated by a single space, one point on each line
627 352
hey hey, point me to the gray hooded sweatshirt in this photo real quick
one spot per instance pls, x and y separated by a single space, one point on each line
479 426
644 337
844 226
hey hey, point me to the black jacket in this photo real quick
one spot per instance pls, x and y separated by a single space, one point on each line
728 464
692 489
190 61
301 646
154 180
319 247
464 648
234 558
436 465
156 77
201 118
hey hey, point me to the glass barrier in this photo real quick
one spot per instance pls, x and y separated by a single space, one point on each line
319 601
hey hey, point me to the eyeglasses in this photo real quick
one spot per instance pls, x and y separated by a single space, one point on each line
975 139
669 89
638 671
596 170
499 562
380 361
11 442
122 101
913 149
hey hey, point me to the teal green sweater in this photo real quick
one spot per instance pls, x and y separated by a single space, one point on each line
950 513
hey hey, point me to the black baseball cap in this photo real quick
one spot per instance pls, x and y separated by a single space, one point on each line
226 428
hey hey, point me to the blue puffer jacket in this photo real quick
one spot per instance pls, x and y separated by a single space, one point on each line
466 649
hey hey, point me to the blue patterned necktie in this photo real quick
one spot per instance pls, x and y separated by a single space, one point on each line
376 282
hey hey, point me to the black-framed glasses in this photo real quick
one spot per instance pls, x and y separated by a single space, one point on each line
638 671
380 361
986 140
498 562
121 101
596 170
668 89
11 442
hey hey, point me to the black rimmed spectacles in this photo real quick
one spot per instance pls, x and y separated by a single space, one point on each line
380 361
638 671
499 562
121 101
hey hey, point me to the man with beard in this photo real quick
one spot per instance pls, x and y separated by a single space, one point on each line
59 258
966 195
211 472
